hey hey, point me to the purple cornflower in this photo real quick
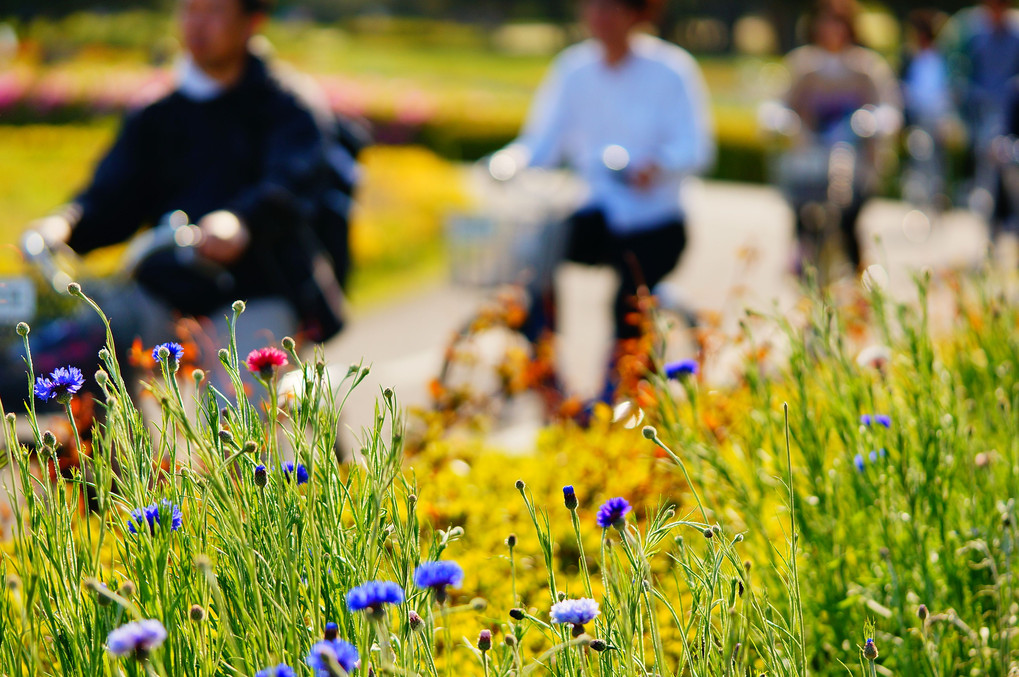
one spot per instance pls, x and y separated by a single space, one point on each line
327 654
576 612
438 576
680 369
281 670
858 462
176 351
136 639
301 472
61 384
612 513
372 595
150 514
865 419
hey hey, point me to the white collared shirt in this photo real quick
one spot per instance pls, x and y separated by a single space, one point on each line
194 83
653 105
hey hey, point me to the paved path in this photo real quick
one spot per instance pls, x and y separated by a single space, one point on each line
740 243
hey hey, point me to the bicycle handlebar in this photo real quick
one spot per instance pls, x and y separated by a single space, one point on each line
174 231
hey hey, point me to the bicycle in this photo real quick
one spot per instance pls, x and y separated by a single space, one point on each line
825 177
494 359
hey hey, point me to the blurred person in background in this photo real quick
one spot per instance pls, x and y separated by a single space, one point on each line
629 113
256 166
833 79
983 45
928 109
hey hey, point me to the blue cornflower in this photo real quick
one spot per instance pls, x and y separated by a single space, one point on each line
176 351
261 476
327 654
437 576
137 638
570 497
150 514
281 670
879 419
612 513
858 462
680 369
372 595
576 612
61 384
301 472
872 456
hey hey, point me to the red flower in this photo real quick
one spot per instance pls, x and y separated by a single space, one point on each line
263 361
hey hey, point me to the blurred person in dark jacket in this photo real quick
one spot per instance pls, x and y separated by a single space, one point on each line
242 151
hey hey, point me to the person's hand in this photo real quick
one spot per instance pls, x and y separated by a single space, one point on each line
646 176
224 237
54 229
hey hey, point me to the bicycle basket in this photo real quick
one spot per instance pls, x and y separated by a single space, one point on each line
518 233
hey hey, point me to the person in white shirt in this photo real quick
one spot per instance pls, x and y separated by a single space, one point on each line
629 113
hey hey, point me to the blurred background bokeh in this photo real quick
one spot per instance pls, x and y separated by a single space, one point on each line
439 81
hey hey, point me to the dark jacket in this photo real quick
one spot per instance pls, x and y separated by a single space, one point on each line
256 150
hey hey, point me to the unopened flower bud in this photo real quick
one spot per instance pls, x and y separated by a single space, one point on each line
104 354
74 289
288 344
870 650
250 447
102 378
708 533
387 393
332 631
520 485
479 604
238 307
226 437
224 356
511 540
127 589
49 439
23 329
197 376
485 640
561 596
510 640
415 620
13 582
261 476
569 497
649 432
517 614
922 613
598 645
197 613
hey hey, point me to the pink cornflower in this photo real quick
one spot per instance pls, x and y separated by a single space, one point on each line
265 360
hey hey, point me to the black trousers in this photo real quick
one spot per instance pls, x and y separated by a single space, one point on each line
641 258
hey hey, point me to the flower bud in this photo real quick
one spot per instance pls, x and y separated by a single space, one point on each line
870 650
485 640
127 589
23 329
74 289
517 614
561 596
197 376
510 640
922 613
649 432
224 356
479 604
520 485
250 447
13 582
197 613
288 344
598 645
238 307
332 631
415 620
261 476
511 540
226 437
708 533
104 354
49 439
569 497
102 378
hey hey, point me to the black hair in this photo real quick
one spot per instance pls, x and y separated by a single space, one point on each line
256 6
